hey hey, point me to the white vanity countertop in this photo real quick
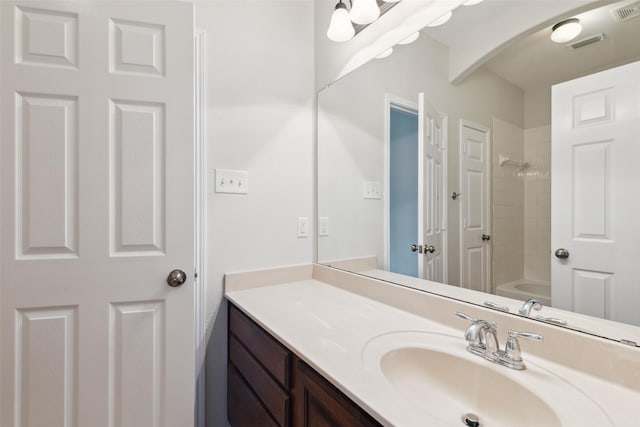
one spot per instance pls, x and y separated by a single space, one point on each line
329 327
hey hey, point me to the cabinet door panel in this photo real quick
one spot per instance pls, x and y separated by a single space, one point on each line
320 404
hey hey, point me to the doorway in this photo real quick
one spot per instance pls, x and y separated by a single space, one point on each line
415 164
403 188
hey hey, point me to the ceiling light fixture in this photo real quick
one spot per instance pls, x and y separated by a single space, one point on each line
413 37
441 20
350 18
364 12
340 28
565 31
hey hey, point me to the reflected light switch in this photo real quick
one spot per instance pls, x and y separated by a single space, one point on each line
323 226
303 226
371 190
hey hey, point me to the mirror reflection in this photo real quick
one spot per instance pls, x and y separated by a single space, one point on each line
518 180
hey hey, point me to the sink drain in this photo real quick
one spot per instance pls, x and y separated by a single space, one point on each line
471 420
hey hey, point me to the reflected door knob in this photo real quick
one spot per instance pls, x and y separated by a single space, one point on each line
486 237
414 248
176 278
562 253
431 249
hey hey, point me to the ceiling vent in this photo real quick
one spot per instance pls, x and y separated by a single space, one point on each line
626 12
587 41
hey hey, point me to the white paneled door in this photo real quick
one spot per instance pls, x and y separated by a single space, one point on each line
475 212
595 208
97 209
431 204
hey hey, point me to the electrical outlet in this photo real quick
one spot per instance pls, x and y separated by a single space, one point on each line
323 226
232 181
303 226
371 190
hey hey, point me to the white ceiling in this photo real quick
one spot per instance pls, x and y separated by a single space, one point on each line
535 60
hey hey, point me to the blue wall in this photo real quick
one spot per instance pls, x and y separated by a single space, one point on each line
403 229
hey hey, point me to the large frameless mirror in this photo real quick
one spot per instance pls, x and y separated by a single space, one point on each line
515 181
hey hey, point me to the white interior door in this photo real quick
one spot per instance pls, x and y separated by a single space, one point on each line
97 208
431 206
475 210
594 194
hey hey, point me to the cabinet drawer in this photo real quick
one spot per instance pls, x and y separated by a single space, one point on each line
275 399
274 357
244 408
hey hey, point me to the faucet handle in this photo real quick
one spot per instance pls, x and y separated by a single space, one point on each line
512 357
495 306
474 320
526 335
559 322
465 316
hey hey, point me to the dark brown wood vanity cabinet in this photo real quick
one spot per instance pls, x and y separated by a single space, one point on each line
259 376
269 386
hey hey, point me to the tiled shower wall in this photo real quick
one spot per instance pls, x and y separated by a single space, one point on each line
521 204
508 204
537 204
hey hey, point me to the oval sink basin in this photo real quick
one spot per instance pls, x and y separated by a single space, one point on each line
449 381
435 373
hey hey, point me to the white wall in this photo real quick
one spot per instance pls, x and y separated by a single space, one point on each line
350 151
537 106
259 104
351 137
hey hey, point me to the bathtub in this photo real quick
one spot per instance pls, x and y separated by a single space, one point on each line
526 289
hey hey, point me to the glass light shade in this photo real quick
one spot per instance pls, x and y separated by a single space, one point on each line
444 18
364 12
471 2
566 31
340 27
413 37
385 53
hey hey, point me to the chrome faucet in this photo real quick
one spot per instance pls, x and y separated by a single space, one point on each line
482 339
530 304
481 336
534 304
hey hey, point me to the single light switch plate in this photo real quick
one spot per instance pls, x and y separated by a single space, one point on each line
232 181
371 190
323 226
303 226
